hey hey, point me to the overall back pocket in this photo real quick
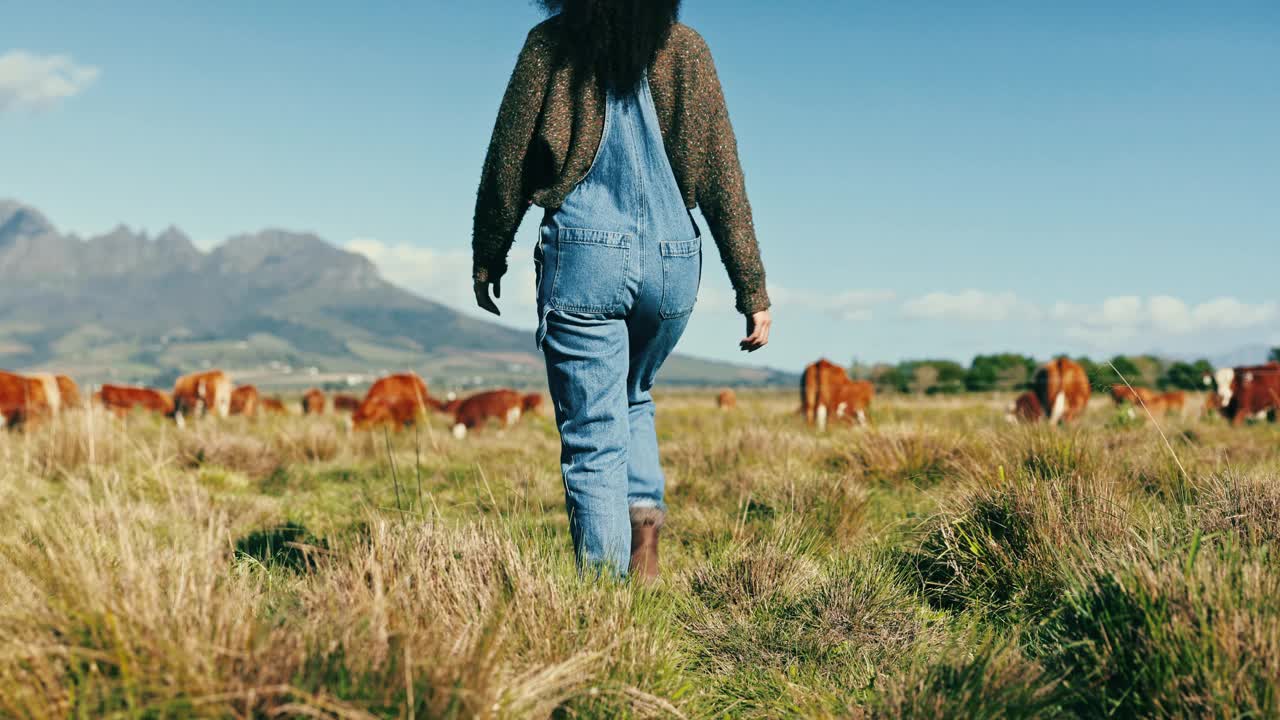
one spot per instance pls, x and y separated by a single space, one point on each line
681 275
590 269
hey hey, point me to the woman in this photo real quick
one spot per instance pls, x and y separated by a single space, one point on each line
614 122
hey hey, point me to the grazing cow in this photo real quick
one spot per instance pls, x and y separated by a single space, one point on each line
1026 408
272 405
201 393
70 392
245 400
397 400
121 400
1174 401
1251 391
1062 387
827 390
23 399
727 400
345 403
505 406
52 393
1139 396
532 404
313 402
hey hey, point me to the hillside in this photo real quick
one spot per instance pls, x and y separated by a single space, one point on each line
276 306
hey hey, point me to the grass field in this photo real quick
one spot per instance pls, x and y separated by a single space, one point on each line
940 564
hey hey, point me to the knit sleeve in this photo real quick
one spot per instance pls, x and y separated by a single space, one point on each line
722 191
505 191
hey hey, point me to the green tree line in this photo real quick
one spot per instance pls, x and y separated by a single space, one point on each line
1013 371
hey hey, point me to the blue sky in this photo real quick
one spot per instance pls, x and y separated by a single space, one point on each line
928 179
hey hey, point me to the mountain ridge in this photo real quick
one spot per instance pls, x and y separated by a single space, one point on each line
275 305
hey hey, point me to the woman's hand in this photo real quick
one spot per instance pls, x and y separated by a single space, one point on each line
482 295
758 324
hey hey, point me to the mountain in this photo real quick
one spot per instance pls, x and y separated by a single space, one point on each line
277 307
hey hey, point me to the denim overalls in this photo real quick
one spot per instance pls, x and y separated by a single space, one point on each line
618 268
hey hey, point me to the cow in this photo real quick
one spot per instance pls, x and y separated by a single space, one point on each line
245 400
1172 402
505 406
396 400
69 391
202 393
1026 408
1062 390
1250 391
313 402
532 404
52 392
827 390
345 403
120 400
1124 394
727 400
23 400
272 405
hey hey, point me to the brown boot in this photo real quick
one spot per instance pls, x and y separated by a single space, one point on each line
645 524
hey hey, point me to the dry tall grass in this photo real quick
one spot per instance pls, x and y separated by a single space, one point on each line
940 563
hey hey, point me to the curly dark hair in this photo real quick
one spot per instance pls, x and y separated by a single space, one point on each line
616 40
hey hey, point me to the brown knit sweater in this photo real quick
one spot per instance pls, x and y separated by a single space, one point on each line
549 129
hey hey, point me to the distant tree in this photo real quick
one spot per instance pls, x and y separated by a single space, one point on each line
1150 370
1275 354
860 370
1007 371
1111 373
924 377
1186 376
890 379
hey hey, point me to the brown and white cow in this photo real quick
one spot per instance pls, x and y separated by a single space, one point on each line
1250 391
272 405
120 400
826 390
245 400
1173 402
727 400
345 403
23 399
396 400
532 403
1026 408
70 392
313 402
52 393
1062 390
1124 394
505 406
202 393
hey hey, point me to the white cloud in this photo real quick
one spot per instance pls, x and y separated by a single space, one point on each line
29 81
1120 319
445 276
851 305
969 306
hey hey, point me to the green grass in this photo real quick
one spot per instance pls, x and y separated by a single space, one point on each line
938 564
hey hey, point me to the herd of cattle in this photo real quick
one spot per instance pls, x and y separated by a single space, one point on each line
396 401
1059 393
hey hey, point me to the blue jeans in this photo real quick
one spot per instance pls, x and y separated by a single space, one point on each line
618 264
613 307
